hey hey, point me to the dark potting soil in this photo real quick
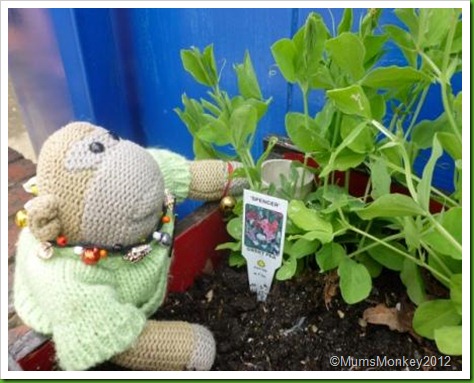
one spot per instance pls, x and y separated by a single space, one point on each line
294 330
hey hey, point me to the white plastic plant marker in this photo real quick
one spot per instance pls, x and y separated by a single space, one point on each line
263 233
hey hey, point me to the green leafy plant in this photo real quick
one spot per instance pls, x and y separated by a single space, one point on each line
359 236
223 120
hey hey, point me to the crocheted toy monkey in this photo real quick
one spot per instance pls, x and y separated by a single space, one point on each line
92 264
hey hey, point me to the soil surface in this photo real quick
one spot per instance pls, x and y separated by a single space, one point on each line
294 330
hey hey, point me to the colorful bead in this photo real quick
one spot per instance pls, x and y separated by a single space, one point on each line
165 239
103 253
157 236
78 250
166 219
137 253
34 189
45 250
21 218
61 241
90 256
227 204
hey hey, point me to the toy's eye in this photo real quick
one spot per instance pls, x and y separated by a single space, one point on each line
96 147
114 136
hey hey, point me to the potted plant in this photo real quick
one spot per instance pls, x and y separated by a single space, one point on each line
392 224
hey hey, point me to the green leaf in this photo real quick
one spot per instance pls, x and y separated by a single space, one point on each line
236 260
260 106
424 187
391 205
348 52
394 77
412 228
373 48
247 80
302 247
304 134
377 105
351 100
211 107
433 315
387 257
330 256
315 35
287 269
343 158
309 220
284 52
364 137
210 64
413 281
354 281
380 178
424 132
321 236
243 123
203 150
347 159
439 262
405 41
434 25
346 22
234 246
451 221
450 142
374 268
409 18
193 64
456 292
215 132
449 340
234 228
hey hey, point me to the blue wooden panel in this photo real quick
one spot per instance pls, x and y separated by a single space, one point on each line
160 34
89 43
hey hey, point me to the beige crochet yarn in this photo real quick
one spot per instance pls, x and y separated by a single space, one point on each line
98 190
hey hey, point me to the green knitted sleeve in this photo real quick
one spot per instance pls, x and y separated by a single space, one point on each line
175 169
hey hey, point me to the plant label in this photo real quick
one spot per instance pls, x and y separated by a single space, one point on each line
264 224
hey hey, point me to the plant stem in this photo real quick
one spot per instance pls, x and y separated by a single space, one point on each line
406 160
417 112
447 200
444 82
438 260
445 233
406 255
374 244
449 113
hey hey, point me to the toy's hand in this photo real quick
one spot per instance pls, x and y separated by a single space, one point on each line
210 180
169 346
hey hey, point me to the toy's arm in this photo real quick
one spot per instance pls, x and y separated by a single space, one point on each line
210 180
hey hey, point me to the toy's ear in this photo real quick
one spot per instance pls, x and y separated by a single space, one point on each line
43 217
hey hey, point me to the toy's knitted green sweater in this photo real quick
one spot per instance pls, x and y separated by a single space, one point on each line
95 312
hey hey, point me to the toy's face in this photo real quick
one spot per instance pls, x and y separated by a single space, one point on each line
108 191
